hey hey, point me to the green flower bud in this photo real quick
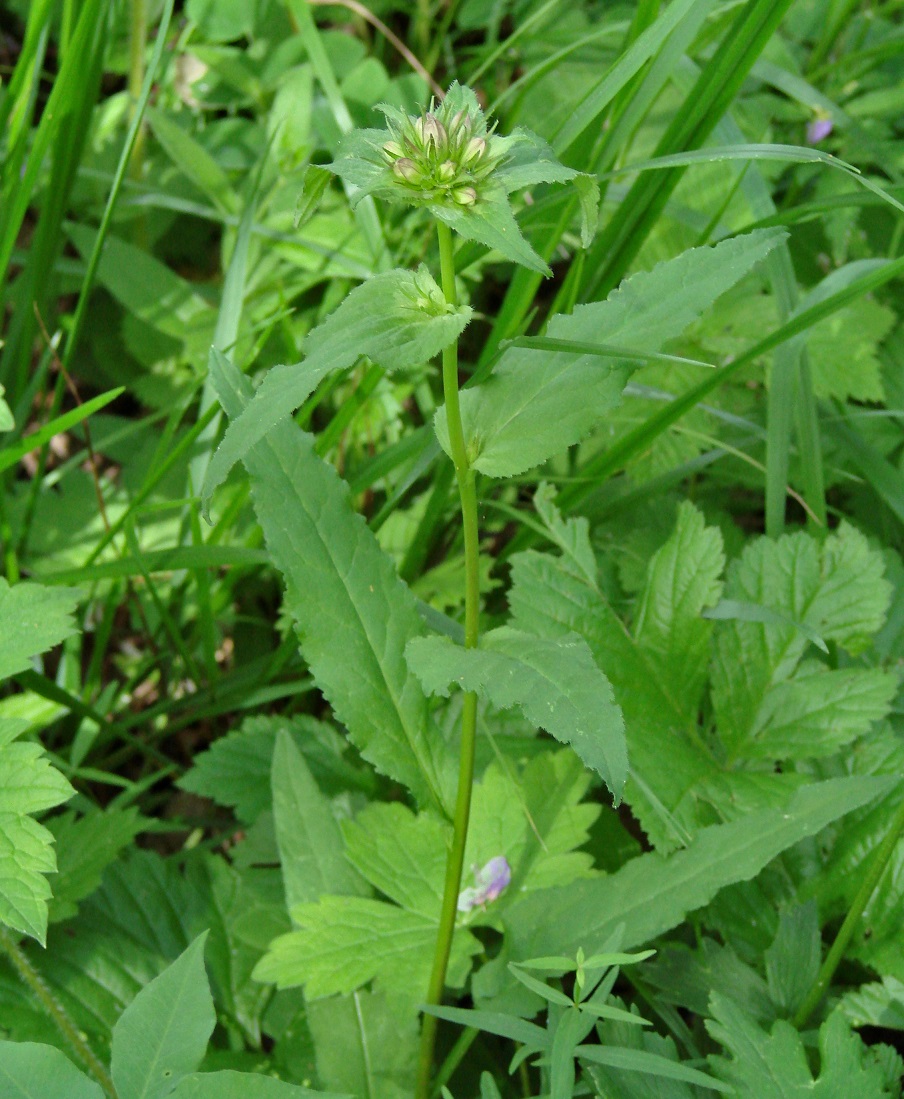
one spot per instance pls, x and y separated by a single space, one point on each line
474 151
393 150
434 132
465 196
406 170
447 171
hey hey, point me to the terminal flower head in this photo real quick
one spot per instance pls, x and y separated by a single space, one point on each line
450 160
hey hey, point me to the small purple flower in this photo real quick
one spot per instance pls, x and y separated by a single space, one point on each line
818 130
490 881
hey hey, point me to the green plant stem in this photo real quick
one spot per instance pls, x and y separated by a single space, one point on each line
467 492
45 997
875 869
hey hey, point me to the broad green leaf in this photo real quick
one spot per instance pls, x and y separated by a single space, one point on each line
228 1084
683 578
652 893
774 1065
537 403
32 618
235 770
837 589
162 1035
536 819
31 1071
819 711
553 596
310 843
345 942
28 784
85 846
553 681
366 1044
793 958
572 535
402 855
354 616
843 351
398 319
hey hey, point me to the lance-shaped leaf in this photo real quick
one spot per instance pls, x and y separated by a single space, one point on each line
397 319
353 613
162 1035
652 894
537 403
229 1084
553 681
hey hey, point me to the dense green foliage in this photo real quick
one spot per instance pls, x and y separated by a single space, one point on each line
364 737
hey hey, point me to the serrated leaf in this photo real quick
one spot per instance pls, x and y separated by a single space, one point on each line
162 1035
354 615
683 578
345 942
819 711
553 596
85 846
537 820
398 319
28 784
651 893
32 1071
32 618
554 682
537 403
400 854
228 1084
310 843
235 770
774 1065
837 589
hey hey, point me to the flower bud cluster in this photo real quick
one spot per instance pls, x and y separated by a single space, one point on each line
440 154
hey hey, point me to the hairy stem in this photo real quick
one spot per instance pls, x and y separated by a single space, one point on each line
874 870
464 474
67 1026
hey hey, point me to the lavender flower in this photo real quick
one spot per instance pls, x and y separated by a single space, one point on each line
491 880
818 130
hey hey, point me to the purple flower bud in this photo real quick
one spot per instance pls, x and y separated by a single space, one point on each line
490 881
495 877
818 130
